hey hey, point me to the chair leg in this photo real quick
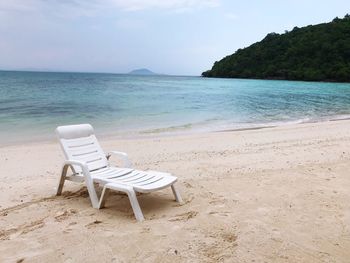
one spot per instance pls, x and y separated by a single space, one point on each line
176 193
92 193
131 194
103 197
135 205
62 179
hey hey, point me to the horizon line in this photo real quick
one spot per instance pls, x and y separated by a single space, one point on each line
91 72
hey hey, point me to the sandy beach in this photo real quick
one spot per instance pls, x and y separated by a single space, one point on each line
270 195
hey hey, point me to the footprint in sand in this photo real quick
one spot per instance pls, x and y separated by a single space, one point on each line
221 201
216 213
146 230
93 224
80 193
220 245
64 215
216 201
23 229
184 216
187 185
6 211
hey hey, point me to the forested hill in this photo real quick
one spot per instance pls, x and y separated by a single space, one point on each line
316 53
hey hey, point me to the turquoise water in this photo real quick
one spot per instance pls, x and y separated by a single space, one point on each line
33 104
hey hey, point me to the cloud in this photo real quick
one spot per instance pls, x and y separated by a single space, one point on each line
18 5
134 5
94 7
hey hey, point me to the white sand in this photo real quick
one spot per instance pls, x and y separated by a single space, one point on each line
271 195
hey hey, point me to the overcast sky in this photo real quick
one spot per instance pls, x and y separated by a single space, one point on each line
182 37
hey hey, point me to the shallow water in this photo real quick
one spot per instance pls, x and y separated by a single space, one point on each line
32 104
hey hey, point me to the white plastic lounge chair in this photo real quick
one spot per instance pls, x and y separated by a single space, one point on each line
89 163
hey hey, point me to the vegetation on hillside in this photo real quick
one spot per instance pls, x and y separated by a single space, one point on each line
314 53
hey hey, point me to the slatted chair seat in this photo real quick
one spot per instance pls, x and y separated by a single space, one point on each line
141 181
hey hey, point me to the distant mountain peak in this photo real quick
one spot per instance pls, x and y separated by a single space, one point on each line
142 71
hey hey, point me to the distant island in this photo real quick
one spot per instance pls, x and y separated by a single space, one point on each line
312 53
142 71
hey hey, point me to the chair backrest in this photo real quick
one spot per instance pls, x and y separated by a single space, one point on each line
79 143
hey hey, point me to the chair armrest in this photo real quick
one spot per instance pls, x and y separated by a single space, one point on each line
83 165
123 156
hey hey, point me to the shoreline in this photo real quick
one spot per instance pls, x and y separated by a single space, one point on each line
187 132
280 79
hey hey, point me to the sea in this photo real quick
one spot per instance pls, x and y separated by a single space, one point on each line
33 104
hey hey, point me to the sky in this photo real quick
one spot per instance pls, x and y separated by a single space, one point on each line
179 37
